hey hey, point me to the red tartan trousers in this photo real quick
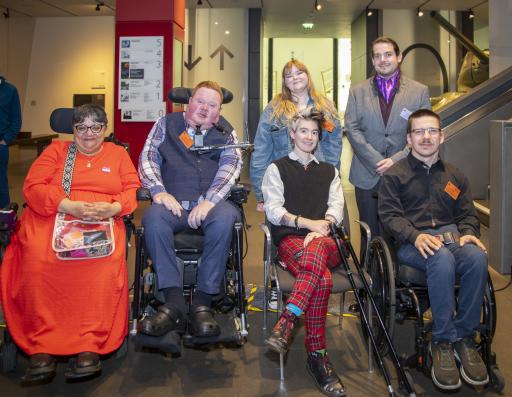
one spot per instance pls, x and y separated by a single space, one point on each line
313 283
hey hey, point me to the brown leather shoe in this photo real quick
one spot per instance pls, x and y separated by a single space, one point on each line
281 335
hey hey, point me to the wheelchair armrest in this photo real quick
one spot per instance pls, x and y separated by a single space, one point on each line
143 194
239 193
267 247
365 230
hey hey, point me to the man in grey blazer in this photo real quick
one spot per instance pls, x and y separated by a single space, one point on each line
376 124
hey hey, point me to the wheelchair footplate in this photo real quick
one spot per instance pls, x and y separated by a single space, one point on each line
230 334
168 343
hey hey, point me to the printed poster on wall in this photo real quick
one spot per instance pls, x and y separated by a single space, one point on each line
141 78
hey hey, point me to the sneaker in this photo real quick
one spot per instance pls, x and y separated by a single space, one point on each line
472 367
273 299
445 373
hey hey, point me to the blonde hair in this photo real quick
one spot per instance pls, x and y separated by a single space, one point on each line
283 104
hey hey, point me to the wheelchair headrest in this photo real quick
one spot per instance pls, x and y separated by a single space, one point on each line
61 120
183 94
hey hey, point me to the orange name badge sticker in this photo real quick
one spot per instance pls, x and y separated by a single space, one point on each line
452 190
186 139
328 126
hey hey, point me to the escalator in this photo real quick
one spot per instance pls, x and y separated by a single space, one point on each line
466 122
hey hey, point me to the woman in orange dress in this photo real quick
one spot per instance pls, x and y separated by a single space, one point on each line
70 307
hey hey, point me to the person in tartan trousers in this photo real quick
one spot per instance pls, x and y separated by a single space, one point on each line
302 197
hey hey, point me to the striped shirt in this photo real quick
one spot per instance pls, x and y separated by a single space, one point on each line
150 161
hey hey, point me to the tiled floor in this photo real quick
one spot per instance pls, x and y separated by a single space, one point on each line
250 370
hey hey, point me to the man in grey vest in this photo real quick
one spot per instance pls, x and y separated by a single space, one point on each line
376 124
189 190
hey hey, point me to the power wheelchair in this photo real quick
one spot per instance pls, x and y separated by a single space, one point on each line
401 294
60 122
230 304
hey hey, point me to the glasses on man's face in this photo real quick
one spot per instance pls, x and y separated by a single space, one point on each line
95 128
432 131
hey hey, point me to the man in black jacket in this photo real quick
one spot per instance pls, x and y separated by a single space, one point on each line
10 124
426 206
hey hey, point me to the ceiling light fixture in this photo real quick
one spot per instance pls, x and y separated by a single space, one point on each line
99 4
369 11
199 2
419 10
318 6
308 25
471 14
7 13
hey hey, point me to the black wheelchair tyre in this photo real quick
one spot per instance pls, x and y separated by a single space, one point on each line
8 354
497 379
381 271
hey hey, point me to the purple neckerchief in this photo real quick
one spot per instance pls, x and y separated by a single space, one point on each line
388 87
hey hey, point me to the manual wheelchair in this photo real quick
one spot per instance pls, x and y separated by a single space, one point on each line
401 293
230 304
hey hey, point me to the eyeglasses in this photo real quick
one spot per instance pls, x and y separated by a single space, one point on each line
431 131
95 128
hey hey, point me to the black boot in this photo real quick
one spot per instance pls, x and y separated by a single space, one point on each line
281 335
325 376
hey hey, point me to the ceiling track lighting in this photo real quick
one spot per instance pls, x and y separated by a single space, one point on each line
199 2
318 6
99 4
7 13
471 14
419 10
368 10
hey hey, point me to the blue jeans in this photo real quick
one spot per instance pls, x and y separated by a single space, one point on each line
160 224
469 265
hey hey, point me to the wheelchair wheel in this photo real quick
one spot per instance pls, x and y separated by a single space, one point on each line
380 268
489 308
497 380
8 354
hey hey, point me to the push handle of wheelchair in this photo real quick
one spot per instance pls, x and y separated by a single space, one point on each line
338 235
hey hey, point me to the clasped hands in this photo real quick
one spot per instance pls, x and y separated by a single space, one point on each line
428 245
196 216
87 211
319 228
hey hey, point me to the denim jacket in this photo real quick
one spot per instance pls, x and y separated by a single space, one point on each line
272 142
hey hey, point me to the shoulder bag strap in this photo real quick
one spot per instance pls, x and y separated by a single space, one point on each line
67 175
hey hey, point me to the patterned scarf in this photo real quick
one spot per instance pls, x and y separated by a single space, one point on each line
388 87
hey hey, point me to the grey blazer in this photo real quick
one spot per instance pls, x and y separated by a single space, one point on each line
370 139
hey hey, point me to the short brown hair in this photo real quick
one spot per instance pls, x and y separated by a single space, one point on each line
212 85
95 112
386 40
421 113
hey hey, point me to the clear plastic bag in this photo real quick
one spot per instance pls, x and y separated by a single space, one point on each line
78 239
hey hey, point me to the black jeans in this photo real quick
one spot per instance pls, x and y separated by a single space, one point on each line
367 205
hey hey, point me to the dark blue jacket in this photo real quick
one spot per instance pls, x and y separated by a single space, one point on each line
10 111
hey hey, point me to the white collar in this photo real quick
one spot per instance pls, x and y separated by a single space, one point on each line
293 156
